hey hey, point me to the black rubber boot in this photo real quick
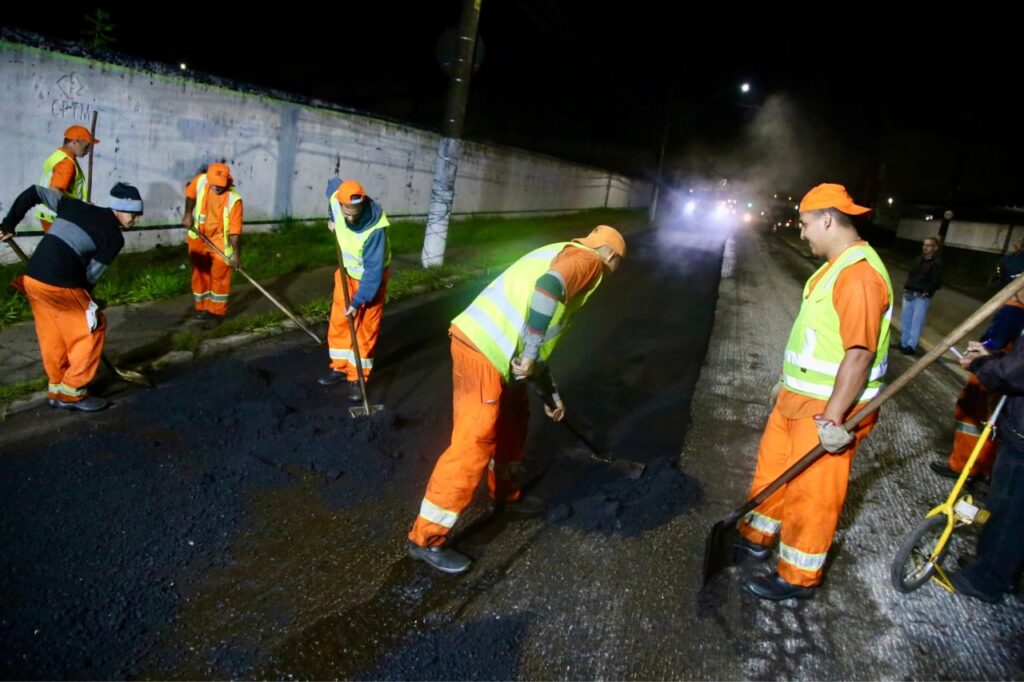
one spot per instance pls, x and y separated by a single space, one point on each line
773 587
745 549
442 558
354 394
88 404
331 378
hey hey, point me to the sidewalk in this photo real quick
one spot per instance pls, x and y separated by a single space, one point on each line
857 625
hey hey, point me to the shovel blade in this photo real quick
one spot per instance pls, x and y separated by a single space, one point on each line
136 378
360 411
130 376
628 468
719 552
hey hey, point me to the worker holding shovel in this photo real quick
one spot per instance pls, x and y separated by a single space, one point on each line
499 342
360 228
213 219
835 362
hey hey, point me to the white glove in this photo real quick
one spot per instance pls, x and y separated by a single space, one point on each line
834 438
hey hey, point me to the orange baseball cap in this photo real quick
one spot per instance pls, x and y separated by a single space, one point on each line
80 133
219 175
350 192
828 195
605 235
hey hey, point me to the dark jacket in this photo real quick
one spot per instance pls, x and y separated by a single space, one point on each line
82 242
1005 374
925 277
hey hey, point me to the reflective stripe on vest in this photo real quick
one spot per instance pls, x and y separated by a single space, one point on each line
815 348
76 191
199 217
496 320
352 243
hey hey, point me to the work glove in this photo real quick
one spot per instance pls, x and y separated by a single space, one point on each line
776 389
834 438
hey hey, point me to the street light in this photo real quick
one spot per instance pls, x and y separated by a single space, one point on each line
653 211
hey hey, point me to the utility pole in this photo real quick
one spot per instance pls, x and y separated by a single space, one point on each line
442 190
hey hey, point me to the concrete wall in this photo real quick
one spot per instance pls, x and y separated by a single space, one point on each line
975 236
157 129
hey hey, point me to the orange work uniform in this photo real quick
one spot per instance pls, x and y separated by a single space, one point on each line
490 418
211 275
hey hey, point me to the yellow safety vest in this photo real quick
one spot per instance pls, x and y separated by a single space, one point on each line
815 348
199 217
352 243
496 320
77 190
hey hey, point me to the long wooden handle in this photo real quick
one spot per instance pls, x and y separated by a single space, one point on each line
256 284
92 153
351 323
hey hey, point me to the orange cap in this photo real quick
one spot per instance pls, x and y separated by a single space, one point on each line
829 195
350 192
80 133
605 235
219 175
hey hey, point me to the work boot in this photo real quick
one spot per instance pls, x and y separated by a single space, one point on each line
775 588
88 404
964 586
331 378
354 393
201 315
745 549
942 469
907 350
442 558
525 507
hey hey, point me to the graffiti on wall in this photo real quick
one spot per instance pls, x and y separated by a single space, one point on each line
69 104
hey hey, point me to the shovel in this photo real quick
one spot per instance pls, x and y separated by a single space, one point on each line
259 287
628 467
131 377
718 552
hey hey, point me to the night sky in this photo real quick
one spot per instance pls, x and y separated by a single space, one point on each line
924 108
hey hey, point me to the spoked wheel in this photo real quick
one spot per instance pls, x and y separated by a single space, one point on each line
913 566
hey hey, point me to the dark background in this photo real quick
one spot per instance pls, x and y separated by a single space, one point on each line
924 108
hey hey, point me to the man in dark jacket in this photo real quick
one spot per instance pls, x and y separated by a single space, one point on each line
1011 264
1000 556
82 242
923 280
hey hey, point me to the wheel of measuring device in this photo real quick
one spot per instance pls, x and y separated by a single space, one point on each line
912 566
